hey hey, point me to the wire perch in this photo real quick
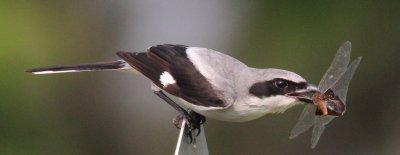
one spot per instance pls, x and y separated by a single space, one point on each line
198 147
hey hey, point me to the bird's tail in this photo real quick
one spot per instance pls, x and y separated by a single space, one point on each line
112 65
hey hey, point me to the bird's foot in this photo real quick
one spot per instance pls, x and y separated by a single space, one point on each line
194 122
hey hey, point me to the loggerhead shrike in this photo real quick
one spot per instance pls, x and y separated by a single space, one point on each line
208 83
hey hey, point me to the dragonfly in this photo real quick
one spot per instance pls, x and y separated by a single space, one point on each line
333 89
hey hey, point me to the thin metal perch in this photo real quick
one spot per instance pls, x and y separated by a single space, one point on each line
198 147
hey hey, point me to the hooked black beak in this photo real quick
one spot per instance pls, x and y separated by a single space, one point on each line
304 95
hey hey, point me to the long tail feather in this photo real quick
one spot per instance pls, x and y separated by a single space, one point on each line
113 65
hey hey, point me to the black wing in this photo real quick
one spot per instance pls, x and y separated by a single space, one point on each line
190 84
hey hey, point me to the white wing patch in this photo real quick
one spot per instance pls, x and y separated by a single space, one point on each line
166 79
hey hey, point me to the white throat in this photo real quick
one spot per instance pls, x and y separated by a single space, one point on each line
254 107
272 104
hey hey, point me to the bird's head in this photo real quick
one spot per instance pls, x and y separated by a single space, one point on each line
276 90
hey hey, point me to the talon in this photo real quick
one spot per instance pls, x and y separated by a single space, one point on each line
188 134
198 131
194 122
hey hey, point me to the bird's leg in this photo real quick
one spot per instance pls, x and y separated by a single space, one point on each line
163 96
194 119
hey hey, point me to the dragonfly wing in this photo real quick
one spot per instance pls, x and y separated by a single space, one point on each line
305 122
341 86
337 67
319 127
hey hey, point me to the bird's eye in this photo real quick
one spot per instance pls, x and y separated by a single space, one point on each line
281 84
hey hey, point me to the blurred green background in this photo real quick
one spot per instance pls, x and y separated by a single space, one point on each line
116 112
